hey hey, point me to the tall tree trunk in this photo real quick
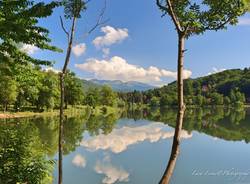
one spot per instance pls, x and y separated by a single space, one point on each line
6 107
60 141
181 110
62 89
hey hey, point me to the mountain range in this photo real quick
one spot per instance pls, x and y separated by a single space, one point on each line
118 85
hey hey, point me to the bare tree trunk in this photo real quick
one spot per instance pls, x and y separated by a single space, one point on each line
181 110
60 141
62 89
5 107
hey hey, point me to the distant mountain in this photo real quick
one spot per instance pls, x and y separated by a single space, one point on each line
88 84
118 85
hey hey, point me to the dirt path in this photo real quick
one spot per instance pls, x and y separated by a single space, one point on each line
4 116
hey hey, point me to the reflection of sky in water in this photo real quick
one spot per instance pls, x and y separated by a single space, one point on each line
79 161
119 139
136 152
112 173
126 134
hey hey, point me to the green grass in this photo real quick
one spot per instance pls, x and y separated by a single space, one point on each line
70 111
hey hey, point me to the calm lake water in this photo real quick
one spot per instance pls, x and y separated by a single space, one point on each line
128 148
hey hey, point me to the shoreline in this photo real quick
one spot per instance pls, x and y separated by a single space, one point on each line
10 115
73 111
69 112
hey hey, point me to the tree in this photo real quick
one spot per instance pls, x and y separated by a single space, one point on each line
28 78
188 87
72 11
236 97
8 91
216 99
73 90
19 26
108 97
194 18
200 100
92 98
49 91
227 100
164 101
154 102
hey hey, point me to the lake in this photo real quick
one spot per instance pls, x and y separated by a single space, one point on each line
130 147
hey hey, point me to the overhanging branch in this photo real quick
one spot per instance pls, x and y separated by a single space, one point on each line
99 21
63 28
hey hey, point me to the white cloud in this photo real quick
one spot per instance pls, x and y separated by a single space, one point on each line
79 49
111 36
216 70
52 70
119 139
117 68
106 52
112 173
79 161
29 49
244 22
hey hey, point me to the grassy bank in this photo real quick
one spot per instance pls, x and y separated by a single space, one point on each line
71 111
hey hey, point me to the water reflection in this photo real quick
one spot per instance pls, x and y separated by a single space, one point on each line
101 147
111 172
121 138
23 154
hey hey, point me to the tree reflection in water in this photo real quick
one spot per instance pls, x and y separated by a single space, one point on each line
28 145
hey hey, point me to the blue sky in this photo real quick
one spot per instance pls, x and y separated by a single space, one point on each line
150 45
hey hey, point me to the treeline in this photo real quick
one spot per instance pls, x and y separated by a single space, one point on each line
231 88
226 123
31 87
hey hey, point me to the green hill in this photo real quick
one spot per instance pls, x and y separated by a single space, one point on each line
227 87
88 84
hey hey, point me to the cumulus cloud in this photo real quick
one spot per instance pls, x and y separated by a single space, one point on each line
120 139
244 22
29 49
216 70
79 49
79 161
118 68
51 69
112 173
111 36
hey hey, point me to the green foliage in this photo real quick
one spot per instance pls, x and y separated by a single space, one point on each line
29 82
103 95
8 91
48 96
73 89
28 87
108 97
196 17
92 97
19 25
22 157
73 8
154 102
216 99
200 100
229 87
167 100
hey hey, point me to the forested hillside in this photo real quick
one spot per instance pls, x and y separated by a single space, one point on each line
230 87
